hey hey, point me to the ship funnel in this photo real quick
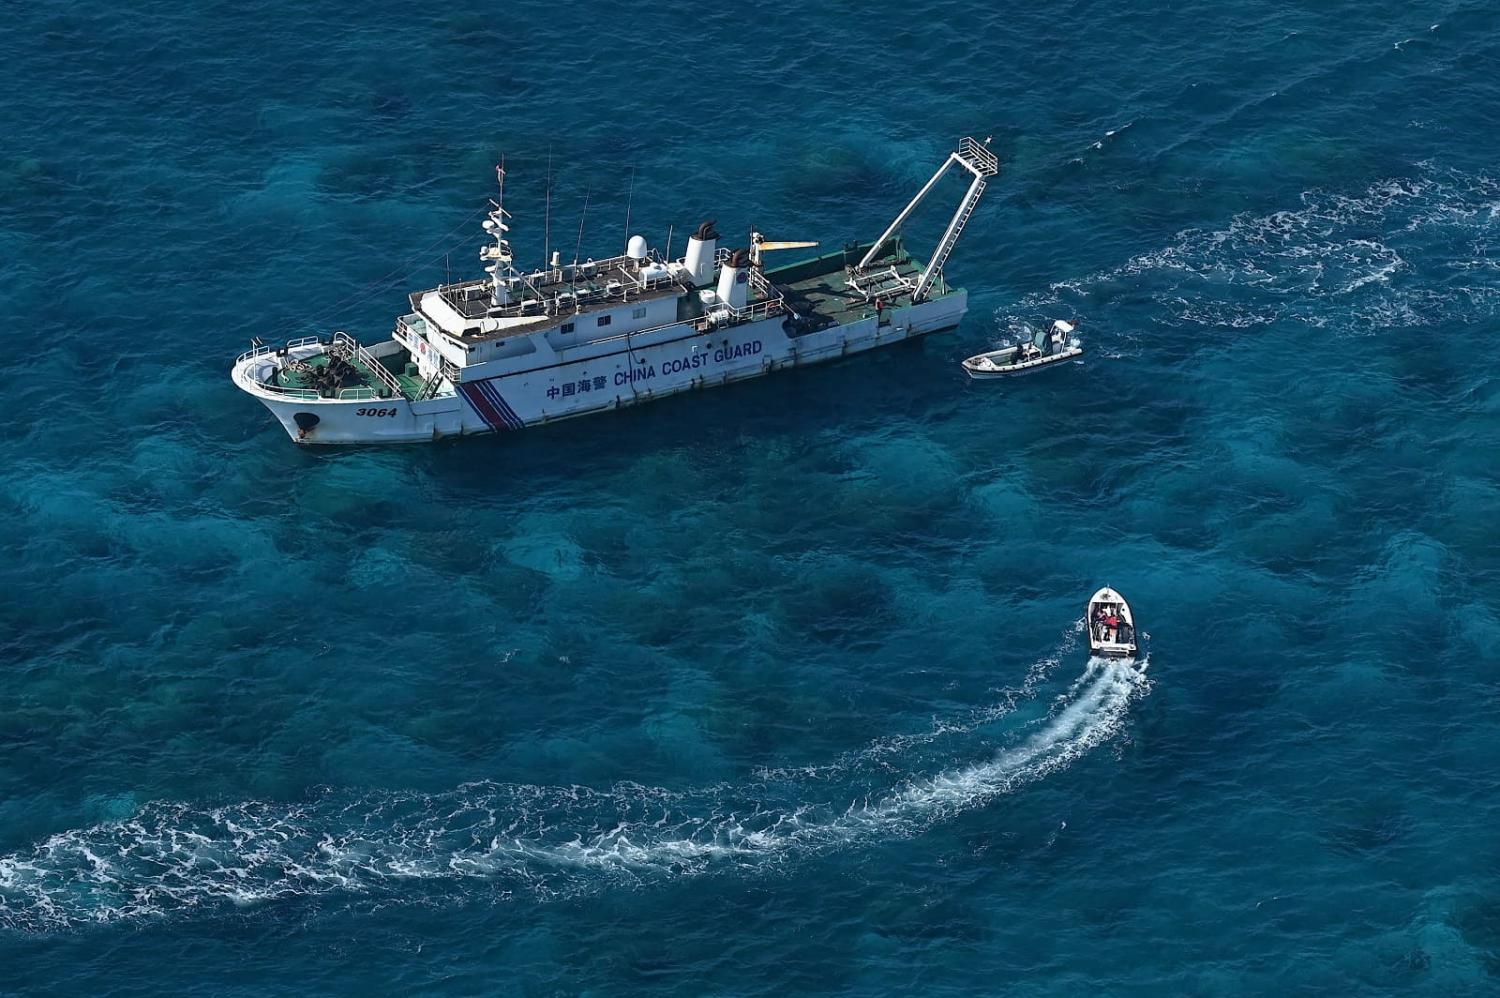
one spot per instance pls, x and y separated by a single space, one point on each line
699 259
734 279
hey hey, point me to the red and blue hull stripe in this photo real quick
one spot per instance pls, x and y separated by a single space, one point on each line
484 398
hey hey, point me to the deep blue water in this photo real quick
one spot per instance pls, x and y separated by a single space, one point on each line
774 689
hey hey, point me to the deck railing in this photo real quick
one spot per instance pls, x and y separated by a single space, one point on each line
406 334
761 285
556 288
985 161
266 348
310 394
409 337
374 366
754 310
269 348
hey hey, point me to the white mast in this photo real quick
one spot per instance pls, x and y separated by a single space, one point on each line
501 266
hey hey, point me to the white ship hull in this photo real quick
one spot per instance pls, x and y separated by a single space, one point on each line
516 349
592 377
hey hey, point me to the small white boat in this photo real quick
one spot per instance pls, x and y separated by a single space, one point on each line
1049 346
1111 625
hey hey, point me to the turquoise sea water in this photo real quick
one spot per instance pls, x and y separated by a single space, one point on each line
779 688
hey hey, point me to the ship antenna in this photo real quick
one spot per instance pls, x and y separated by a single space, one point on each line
500 180
547 218
578 246
630 194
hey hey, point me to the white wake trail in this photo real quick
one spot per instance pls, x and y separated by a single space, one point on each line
881 751
545 841
1093 717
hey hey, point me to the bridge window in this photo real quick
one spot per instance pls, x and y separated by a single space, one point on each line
567 327
604 319
639 313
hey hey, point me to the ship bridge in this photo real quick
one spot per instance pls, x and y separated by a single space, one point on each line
470 309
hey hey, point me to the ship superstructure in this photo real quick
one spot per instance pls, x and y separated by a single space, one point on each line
515 349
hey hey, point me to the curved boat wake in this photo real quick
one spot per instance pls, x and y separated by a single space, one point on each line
541 841
1341 261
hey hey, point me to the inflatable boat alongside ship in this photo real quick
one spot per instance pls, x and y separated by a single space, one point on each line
1041 349
518 349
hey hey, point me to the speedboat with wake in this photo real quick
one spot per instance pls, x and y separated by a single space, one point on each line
1044 348
1111 626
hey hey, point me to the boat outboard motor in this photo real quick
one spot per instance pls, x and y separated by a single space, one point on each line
699 259
734 279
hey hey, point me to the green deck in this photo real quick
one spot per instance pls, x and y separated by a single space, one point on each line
410 383
817 286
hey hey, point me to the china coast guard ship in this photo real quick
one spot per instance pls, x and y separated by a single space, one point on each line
517 349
